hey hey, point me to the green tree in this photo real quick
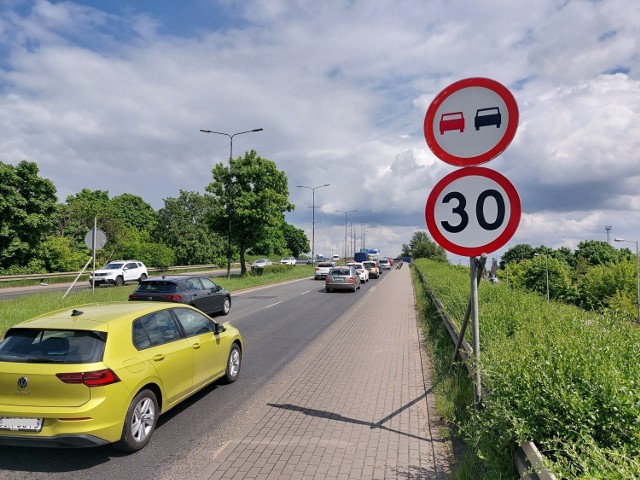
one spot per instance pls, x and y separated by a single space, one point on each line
255 193
534 277
421 246
27 206
596 252
132 211
516 254
601 284
182 225
297 241
61 254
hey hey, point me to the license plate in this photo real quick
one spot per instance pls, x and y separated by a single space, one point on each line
21 424
338 279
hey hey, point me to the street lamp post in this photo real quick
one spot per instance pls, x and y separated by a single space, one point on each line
313 219
229 199
546 264
346 214
637 272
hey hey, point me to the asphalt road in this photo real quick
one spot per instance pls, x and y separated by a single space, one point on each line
278 323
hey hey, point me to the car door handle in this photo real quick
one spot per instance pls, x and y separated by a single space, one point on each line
195 346
158 358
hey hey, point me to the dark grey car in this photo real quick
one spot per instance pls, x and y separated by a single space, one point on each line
194 290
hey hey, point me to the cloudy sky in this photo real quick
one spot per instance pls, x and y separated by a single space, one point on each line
112 94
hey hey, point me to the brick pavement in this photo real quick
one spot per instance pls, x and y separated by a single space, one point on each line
360 405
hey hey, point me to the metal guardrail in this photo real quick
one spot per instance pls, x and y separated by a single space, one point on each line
39 276
527 458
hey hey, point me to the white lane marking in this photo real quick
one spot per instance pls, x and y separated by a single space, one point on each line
304 293
273 304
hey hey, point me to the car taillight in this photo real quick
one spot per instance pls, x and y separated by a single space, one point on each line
352 280
133 296
326 279
173 298
97 378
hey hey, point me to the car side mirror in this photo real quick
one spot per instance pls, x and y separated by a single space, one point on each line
219 328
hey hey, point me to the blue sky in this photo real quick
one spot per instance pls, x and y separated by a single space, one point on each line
111 95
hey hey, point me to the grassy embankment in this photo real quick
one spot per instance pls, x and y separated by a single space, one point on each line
567 379
22 308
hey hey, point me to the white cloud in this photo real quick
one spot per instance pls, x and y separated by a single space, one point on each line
105 100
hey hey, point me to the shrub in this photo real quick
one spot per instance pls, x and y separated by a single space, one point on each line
554 374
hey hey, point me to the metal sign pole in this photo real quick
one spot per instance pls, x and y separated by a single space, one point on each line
93 275
477 391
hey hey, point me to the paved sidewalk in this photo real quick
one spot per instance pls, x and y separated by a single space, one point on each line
360 405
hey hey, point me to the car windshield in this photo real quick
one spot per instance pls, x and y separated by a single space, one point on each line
369 264
27 345
113 266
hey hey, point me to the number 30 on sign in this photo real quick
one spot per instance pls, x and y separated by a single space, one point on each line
472 211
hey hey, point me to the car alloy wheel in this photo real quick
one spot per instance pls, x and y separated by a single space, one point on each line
226 306
140 422
233 364
119 281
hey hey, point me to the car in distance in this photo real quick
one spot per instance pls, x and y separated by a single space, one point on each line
384 264
342 278
261 263
288 261
195 290
119 272
363 272
91 375
372 267
322 269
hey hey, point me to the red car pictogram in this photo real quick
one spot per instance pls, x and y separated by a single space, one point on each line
451 121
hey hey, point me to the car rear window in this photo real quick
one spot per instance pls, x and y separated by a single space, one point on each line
325 264
340 271
158 287
26 345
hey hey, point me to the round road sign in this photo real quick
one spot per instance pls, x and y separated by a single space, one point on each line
101 239
471 122
472 211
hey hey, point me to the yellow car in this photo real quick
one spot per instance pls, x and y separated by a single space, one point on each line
103 373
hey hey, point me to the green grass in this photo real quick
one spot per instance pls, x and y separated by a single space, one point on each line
25 307
554 374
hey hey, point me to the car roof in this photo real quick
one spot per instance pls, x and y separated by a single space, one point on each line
170 278
96 316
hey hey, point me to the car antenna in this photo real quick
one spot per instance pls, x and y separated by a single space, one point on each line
76 313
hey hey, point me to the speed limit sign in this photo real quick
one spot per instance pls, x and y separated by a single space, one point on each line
473 210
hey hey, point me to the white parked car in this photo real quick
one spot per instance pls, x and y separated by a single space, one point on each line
119 272
362 271
288 261
261 263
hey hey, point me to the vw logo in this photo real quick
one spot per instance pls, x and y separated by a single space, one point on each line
23 382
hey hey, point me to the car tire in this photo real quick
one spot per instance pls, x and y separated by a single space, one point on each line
119 281
226 306
234 361
142 278
327 289
139 422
